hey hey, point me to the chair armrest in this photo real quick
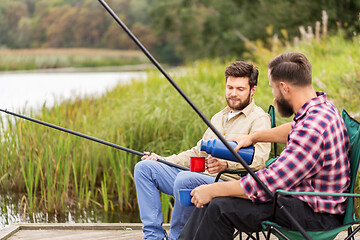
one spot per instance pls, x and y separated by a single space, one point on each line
230 171
283 192
243 173
270 161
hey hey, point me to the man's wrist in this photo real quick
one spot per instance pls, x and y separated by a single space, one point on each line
253 138
213 190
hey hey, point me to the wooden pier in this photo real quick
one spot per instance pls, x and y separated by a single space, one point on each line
77 231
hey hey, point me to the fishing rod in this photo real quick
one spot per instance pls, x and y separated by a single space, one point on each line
202 116
92 138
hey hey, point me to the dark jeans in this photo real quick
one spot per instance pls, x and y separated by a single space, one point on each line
219 218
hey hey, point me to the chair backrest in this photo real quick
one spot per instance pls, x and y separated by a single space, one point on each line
353 129
271 112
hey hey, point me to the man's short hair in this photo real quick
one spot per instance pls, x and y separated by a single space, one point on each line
291 67
243 69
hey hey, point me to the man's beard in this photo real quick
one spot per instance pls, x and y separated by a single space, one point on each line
240 105
283 107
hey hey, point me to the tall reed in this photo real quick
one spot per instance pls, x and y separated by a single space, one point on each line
56 171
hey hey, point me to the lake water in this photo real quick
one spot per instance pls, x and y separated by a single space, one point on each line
11 211
31 90
22 91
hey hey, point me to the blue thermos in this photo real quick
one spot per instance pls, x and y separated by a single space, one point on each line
217 149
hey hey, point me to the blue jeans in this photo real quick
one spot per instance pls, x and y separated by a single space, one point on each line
152 176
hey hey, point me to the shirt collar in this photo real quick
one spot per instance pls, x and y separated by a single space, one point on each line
320 99
246 111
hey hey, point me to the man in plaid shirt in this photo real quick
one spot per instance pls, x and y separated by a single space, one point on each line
315 159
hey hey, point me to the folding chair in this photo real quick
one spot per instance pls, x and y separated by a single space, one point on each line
271 112
353 128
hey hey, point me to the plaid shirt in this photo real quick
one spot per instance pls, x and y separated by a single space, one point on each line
315 159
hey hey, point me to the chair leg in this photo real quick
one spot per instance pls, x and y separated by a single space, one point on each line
269 233
263 233
250 236
351 233
237 233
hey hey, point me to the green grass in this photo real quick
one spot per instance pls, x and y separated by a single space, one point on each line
55 170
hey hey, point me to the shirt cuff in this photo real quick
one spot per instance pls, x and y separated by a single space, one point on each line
247 187
253 190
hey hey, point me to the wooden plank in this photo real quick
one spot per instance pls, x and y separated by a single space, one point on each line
81 226
88 231
8 231
77 234
73 231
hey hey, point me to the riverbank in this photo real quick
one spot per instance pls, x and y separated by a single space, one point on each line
53 58
125 68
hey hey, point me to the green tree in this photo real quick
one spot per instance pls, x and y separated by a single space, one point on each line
116 38
39 26
90 25
13 14
174 29
200 28
59 24
2 27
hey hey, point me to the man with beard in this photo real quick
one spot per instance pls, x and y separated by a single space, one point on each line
315 159
240 117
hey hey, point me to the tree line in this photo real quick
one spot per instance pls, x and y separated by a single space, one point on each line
174 30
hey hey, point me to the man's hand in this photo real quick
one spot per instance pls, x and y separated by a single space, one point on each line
242 141
201 195
205 193
150 156
215 165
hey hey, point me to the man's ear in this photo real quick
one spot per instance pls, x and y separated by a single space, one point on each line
252 90
284 88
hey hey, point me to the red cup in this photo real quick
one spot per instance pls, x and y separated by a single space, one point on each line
197 164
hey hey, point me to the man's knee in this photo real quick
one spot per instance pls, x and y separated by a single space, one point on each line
219 206
215 204
183 180
143 168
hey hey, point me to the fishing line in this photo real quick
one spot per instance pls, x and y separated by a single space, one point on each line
202 116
